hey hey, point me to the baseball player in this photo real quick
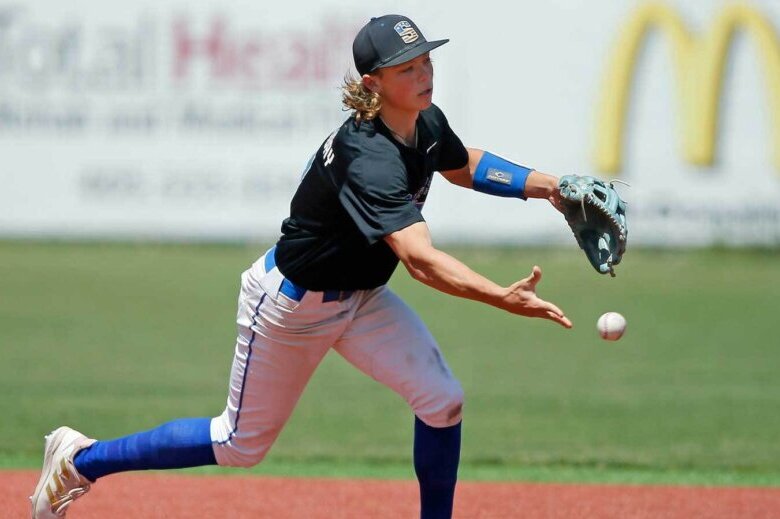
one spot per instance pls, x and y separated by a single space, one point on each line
356 213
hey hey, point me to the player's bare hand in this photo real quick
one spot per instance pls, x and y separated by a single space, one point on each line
521 299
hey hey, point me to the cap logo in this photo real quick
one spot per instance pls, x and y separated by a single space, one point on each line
406 31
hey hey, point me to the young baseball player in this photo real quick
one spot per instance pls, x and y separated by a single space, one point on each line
355 214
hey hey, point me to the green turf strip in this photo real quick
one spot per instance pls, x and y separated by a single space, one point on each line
115 338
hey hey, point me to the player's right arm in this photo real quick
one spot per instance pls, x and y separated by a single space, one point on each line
441 271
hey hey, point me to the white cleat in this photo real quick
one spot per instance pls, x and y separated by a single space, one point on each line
60 482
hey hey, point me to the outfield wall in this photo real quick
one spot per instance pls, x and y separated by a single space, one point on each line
174 120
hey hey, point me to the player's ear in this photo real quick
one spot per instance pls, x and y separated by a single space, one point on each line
370 83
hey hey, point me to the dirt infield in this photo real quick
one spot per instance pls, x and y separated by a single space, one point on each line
174 496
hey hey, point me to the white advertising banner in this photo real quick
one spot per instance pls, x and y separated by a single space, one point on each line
193 120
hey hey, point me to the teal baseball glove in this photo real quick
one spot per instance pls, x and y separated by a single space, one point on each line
597 216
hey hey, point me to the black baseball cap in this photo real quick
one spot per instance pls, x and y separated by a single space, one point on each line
389 40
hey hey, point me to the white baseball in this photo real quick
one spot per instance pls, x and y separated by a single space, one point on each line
611 326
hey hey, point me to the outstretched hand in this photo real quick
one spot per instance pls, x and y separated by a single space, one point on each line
521 299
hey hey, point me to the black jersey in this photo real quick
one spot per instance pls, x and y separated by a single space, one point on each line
361 185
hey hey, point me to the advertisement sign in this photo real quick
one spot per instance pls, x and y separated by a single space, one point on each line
180 121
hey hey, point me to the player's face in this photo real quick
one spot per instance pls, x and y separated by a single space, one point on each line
408 86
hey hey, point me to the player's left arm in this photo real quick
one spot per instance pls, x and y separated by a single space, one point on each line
516 181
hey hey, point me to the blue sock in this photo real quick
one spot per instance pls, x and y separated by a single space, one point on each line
174 445
436 457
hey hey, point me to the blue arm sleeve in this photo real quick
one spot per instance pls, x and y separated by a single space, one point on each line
499 177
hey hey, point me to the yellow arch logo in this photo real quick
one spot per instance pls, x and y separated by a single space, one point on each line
698 64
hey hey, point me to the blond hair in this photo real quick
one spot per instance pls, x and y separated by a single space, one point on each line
356 97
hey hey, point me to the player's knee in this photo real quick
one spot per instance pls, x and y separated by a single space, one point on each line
236 447
445 409
242 451
453 409
235 456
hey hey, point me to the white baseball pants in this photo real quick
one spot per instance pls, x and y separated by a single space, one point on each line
281 341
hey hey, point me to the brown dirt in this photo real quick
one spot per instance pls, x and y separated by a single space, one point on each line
162 495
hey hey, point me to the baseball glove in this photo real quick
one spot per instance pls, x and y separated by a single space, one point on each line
597 216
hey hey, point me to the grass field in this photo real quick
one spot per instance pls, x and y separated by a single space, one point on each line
114 338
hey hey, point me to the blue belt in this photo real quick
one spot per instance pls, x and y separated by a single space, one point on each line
295 292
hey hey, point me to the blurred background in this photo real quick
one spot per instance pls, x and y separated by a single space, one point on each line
150 151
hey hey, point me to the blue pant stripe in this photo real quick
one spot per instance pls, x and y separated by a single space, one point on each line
246 370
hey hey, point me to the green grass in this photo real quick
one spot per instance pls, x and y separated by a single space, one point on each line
114 338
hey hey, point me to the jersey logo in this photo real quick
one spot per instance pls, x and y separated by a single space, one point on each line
406 31
431 146
422 194
327 149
